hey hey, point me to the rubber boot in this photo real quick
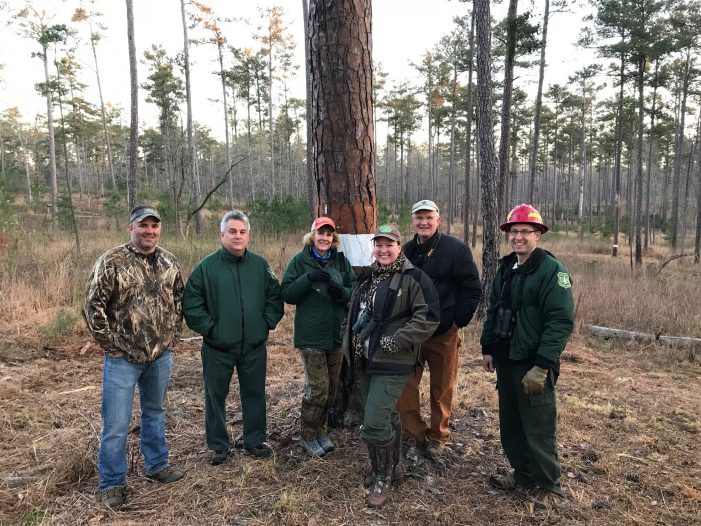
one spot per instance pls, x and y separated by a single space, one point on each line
369 478
397 473
379 491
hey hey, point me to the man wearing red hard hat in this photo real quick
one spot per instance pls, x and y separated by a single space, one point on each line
529 320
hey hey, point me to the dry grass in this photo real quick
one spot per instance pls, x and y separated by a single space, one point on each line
629 420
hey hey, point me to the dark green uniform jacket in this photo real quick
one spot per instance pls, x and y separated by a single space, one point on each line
318 316
412 320
541 297
232 300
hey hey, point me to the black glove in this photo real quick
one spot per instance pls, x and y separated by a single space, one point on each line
319 275
334 289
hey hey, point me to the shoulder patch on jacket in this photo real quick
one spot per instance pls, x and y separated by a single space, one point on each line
271 272
563 279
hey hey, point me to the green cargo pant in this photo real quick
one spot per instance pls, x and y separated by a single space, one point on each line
527 425
217 368
380 393
321 374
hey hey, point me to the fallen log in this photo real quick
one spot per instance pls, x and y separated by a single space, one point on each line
682 342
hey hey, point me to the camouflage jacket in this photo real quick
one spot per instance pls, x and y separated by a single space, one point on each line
133 303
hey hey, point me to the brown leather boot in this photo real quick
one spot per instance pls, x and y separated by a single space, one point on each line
379 491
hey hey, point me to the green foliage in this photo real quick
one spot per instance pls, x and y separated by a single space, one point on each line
116 202
281 214
32 517
62 325
384 213
65 221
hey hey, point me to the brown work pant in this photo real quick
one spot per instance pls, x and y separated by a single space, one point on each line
441 355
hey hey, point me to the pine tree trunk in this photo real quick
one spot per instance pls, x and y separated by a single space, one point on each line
538 105
342 116
485 136
506 104
134 128
52 142
343 149
468 133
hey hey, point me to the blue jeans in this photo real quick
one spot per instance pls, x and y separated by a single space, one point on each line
119 377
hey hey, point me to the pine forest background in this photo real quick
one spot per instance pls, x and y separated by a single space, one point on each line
615 148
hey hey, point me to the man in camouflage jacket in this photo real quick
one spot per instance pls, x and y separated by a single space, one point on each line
133 308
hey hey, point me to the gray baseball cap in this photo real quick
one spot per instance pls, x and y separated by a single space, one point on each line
141 212
425 204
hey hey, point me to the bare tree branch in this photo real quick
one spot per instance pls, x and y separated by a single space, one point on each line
216 187
668 261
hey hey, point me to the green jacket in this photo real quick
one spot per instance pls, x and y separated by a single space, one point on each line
232 300
541 298
317 316
410 315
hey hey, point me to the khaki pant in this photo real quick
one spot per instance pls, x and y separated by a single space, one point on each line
441 355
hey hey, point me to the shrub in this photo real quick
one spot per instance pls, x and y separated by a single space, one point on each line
281 214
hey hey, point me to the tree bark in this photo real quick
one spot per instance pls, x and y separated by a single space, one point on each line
506 103
134 127
342 113
485 137
468 133
344 185
191 176
52 141
538 105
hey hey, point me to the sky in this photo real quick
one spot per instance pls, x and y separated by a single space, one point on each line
403 30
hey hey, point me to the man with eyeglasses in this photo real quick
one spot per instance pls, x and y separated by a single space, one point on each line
529 320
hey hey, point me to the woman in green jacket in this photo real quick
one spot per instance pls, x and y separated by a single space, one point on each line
318 282
394 309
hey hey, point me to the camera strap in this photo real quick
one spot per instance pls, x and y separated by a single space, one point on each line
505 294
394 285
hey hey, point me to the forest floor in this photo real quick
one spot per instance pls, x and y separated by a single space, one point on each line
629 433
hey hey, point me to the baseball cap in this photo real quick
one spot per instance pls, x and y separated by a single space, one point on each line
141 212
425 204
323 221
388 231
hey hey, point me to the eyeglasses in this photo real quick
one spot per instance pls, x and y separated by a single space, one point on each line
523 232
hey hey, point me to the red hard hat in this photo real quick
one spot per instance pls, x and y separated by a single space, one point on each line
524 213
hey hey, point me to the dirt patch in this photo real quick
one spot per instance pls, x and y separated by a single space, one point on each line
628 433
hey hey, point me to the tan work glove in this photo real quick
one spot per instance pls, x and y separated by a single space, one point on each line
534 380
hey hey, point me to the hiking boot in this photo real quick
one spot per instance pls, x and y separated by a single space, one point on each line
411 450
434 451
543 499
218 457
503 482
167 475
312 448
262 450
113 497
326 444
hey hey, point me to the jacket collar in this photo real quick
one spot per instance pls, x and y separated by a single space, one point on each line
532 263
425 246
228 256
